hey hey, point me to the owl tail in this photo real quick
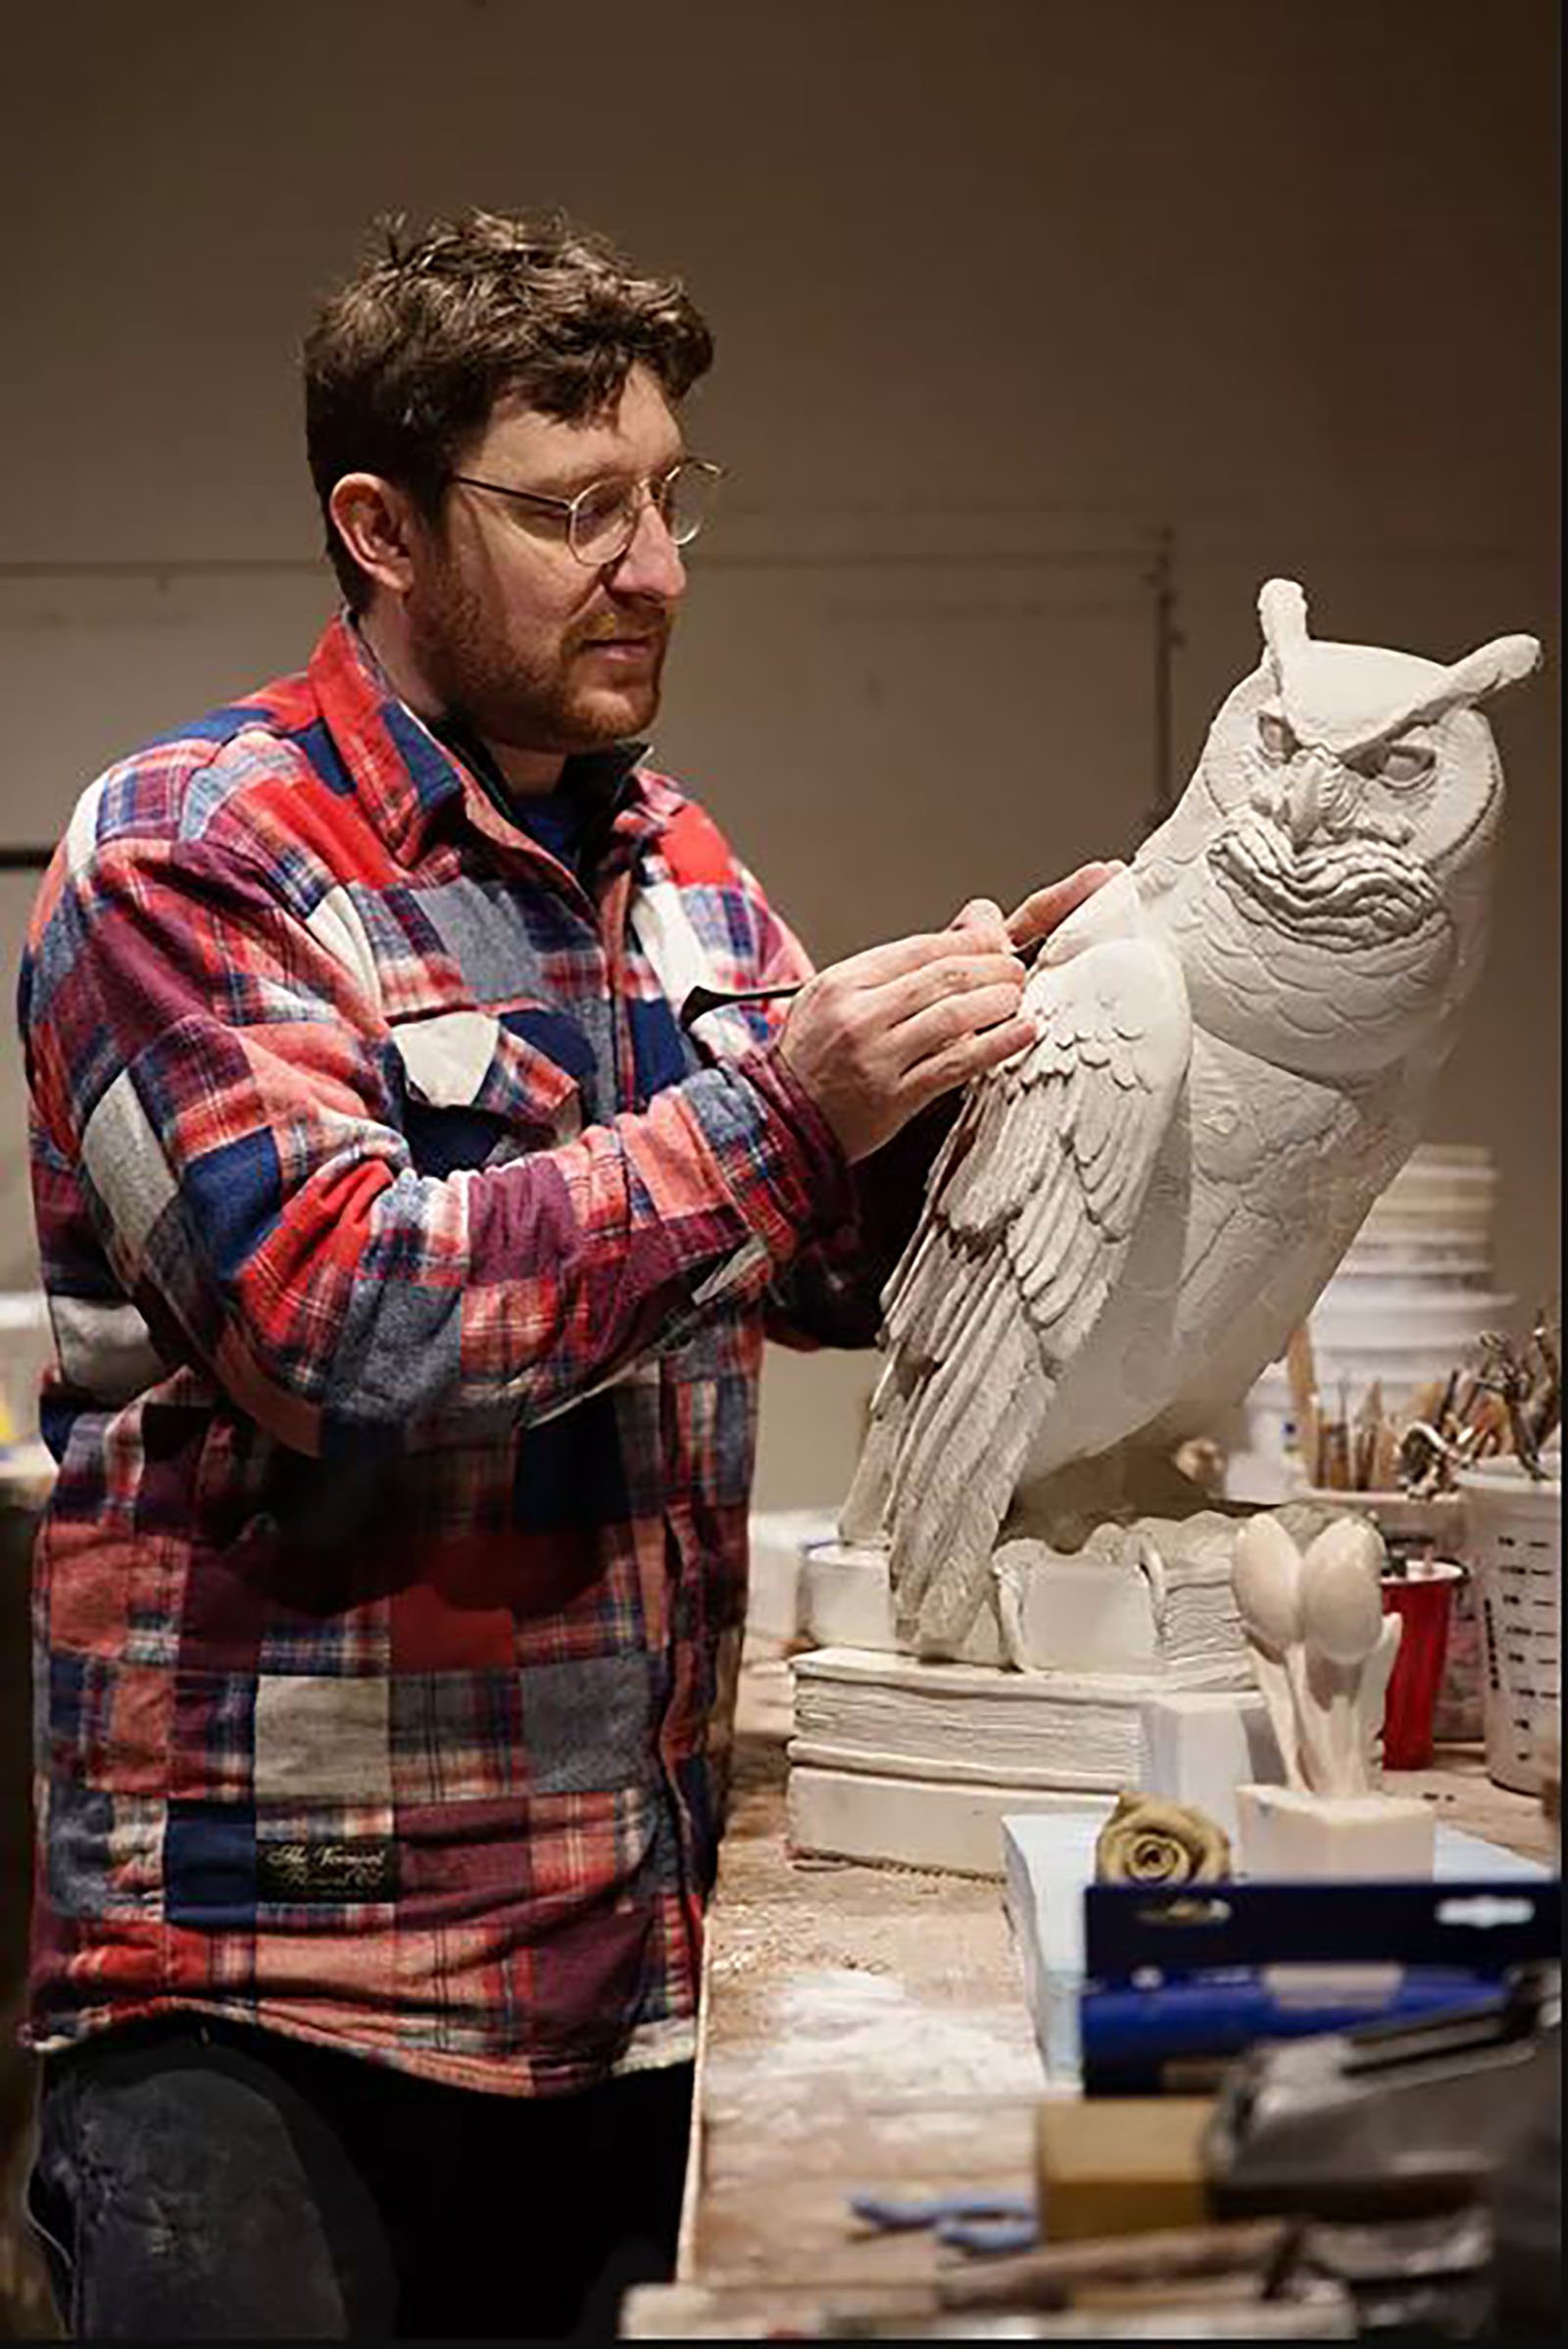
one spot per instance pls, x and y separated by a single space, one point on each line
862 1519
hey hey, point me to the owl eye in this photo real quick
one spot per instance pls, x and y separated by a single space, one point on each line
1278 741
1400 763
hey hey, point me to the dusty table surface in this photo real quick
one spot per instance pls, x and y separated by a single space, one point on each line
865 2029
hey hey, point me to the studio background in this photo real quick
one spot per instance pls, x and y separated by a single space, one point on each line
1008 295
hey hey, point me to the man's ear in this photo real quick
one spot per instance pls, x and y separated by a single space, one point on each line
377 521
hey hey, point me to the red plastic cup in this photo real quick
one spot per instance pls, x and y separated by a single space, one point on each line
1422 1595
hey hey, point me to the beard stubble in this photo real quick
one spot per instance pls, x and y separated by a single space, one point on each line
530 697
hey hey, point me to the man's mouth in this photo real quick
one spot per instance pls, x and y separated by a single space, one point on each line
625 648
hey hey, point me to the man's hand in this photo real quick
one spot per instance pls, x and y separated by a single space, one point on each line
874 1038
1043 909
1040 912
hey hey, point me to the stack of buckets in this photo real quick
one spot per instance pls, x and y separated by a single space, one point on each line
1513 1545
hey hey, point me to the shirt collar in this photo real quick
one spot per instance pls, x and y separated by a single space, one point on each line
407 774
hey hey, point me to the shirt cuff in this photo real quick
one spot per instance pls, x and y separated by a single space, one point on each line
785 1166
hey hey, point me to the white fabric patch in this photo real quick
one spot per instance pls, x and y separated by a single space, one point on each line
668 937
336 926
124 1161
105 1349
81 833
447 1058
664 930
323 1739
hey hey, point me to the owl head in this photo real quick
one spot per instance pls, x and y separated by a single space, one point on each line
1325 872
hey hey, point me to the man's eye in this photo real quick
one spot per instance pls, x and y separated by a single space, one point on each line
1275 736
601 509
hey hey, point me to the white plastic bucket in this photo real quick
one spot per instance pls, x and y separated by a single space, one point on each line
1513 1540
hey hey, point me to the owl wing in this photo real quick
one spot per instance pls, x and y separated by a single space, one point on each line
1029 1210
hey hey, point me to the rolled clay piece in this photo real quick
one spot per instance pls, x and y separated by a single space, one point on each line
1146 1840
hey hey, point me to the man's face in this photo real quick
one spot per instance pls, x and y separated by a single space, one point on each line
511 632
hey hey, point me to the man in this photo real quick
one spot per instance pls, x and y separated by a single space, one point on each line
411 1233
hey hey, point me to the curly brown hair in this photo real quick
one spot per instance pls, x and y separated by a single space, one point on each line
406 362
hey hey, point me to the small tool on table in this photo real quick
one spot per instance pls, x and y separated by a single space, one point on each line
976 2221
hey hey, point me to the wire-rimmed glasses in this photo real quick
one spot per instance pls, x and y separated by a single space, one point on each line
602 519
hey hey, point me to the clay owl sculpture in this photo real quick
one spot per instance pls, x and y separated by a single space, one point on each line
1237 1036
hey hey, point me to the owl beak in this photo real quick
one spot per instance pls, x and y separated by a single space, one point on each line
1303 797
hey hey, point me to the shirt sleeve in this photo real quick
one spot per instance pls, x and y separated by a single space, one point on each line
229 1097
830 1292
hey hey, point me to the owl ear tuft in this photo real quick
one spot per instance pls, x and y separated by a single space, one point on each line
1491 667
1282 610
1484 671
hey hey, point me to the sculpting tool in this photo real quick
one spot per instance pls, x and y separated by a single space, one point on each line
718 999
699 1000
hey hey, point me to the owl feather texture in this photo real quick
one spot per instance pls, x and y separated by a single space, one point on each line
1237 1036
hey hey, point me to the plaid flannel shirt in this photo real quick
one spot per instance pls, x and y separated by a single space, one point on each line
409 1267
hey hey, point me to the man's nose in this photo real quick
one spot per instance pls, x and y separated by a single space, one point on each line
651 566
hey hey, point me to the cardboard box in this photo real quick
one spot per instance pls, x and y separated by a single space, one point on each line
1119 2165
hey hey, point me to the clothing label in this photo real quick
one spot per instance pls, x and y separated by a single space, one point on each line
363 1869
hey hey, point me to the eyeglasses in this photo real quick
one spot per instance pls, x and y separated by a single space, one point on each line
602 519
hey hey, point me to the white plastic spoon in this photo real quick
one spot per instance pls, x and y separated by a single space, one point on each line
1341 1622
1266 1578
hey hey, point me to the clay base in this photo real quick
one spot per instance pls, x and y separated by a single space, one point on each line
915 1822
781 1541
1280 1832
1199 1747
970 1723
846 1603
1086 1614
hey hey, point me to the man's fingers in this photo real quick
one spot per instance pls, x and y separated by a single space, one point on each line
951 1023
955 979
969 1057
941 1006
984 918
875 965
1043 909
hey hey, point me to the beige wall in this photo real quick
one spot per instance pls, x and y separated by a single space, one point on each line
1001 289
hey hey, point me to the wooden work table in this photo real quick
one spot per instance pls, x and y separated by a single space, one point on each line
867 2028
863 2027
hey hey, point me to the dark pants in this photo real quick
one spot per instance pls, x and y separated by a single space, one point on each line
201 2180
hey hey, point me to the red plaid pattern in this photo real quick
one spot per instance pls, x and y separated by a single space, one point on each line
410 1265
